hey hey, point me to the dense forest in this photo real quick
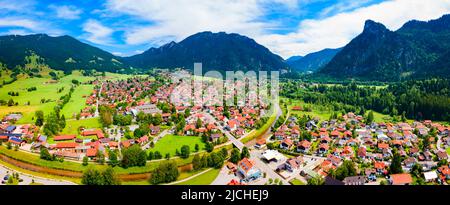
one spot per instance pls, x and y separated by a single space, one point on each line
418 99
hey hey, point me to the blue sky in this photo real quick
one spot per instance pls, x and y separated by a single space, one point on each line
286 27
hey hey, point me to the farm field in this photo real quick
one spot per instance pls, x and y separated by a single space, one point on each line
29 102
77 101
320 111
170 143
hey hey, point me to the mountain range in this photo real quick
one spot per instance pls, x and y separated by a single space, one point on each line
313 61
417 50
59 53
219 51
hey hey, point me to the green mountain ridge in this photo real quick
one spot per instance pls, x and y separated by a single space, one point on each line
60 53
417 50
216 51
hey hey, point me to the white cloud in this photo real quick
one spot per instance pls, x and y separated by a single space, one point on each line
337 30
97 33
117 53
19 22
177 19
67 12
17 6
161 21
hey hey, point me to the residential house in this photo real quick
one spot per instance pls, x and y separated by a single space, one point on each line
400 179
354 180
248 170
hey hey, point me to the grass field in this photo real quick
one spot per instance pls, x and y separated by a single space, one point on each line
39 174
78 167
320 111
448 150
29 102
73 125
170 143
77 101
204 179
323 112
296 182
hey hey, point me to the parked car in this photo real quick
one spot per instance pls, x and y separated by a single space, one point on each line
6 177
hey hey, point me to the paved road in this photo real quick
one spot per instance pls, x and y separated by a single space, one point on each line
27 178
98 99
254 155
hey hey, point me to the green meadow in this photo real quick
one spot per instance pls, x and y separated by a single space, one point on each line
170 143
30 101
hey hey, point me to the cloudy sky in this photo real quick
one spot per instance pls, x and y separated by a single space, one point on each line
286 27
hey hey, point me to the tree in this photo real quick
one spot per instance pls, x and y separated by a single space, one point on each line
167 171
157 155
216 160
93 176
113 161
347 169
100 157
370 117
44 154
396 164
417 170
85 161
106 117
209 147
167 156
133 156
235 156
185 151
318 180
39 118
198 124
196 162
245 153
224 152
109 177
197 147
150 156
62 122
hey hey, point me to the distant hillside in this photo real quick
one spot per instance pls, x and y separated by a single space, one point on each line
313 61
293 58
417 50
217 51
60 53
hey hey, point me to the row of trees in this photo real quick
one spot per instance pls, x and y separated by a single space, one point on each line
418 99
54 123
93 176
213 159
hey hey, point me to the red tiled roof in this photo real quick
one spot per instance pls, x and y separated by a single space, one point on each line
379 165
63 145
92 152
64 137
245 164
304 143
383 146
113 144
398 179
